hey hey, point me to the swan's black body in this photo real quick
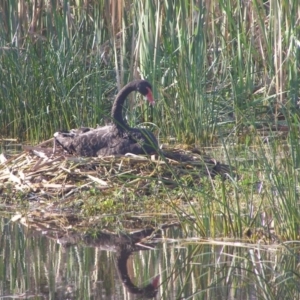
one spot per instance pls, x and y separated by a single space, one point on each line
118 138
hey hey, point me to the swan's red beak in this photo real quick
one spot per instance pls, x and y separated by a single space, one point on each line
149 97
155 281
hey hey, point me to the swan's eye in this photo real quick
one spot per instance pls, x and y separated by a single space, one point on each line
149 96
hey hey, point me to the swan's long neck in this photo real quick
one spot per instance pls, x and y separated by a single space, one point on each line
122 268
116 112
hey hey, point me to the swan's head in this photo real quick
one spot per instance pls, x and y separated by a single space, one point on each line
145 88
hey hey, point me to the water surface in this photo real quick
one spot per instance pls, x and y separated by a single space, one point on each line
33 266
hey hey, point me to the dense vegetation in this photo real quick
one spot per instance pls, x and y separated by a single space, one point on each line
220 69
215 66
223 71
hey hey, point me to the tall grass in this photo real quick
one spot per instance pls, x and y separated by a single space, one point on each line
211 63
217 67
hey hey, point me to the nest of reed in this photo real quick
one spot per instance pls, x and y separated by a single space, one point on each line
50 181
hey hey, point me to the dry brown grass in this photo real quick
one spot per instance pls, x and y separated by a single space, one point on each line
49 182
51 173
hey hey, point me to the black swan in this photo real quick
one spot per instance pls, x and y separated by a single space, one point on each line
118 138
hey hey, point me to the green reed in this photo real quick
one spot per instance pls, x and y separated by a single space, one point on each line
212 64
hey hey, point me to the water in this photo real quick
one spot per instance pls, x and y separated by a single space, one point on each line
37 267
33 266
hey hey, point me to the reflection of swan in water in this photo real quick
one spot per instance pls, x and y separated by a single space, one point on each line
118 138
123 245
148 291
